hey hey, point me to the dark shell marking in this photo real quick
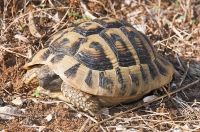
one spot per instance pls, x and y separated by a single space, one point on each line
92 61
152 70
120 79
123 56
147 40
71 72
105 82
108 23
87 32
45 55
62 47
161 69
57 58
144 74
88 79
163 60
134 79
138 45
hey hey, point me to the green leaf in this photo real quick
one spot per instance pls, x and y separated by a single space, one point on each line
75 14
69 13
12 98
36 93
192 21
176 3
42 5
20 28
86 17
77 21
156 7
181 17
20 10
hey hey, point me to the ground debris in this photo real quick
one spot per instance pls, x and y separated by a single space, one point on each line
173 28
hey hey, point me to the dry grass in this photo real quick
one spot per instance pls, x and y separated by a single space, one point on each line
172 26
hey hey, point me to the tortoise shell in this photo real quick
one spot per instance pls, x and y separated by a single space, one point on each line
105 57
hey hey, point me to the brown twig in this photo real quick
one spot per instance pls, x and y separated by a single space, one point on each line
171 98
17 115
103 121
84 125
6 49
24 15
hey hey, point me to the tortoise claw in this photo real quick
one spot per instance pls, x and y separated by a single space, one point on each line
53 94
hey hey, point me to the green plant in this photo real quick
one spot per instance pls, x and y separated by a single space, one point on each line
20 10
13 98
36 93
77 21
42 5
176 3
156 7
69 13
192 21
182 17
21 27
75 14
86 17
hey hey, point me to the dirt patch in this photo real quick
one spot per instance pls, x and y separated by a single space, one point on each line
170 25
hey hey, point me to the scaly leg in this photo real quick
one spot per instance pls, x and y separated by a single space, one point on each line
81 100
53 94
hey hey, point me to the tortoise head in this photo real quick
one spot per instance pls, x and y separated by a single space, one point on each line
30 78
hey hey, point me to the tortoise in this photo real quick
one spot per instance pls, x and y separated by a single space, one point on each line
102 62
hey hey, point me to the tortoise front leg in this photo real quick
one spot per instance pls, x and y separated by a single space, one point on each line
53 94
81 100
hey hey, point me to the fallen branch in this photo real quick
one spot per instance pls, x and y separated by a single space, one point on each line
175 91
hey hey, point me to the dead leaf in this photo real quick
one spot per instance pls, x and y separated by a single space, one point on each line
22 38
32 27
149 98
7 112
17 101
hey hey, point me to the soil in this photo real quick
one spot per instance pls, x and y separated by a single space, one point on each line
45 114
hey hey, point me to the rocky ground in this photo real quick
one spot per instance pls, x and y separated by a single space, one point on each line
173 28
